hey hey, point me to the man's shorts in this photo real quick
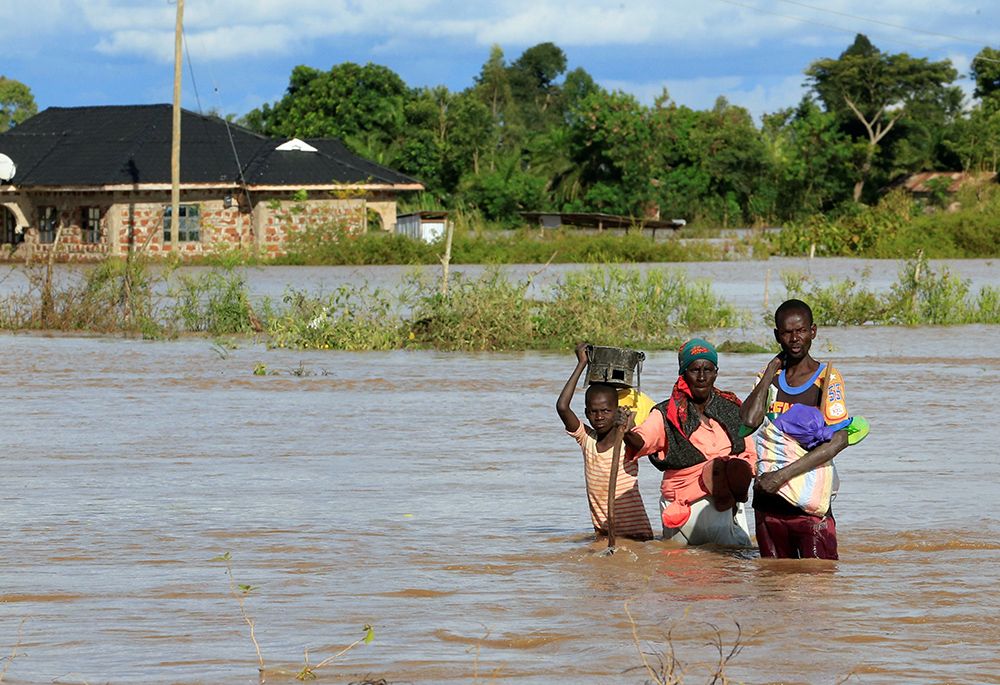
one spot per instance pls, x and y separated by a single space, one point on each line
781 536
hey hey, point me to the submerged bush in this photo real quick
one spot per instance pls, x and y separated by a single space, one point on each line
353 317
626 306
609 305
920 296
215 301
115 295
487 313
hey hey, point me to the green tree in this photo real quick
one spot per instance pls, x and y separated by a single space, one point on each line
976 140
534 90
347 102
16 103
494 89
986 74
877 89
811 159
620 149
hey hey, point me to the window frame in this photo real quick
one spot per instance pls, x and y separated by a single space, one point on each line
189 230
90 225
48 223
8 228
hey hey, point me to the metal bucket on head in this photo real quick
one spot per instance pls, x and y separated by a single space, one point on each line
614 366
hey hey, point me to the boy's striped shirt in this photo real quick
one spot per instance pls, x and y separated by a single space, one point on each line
630 513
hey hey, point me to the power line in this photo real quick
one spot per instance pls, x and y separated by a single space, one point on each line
882 23
191 69
838 28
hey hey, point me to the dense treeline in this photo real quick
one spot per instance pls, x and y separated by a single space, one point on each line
528 134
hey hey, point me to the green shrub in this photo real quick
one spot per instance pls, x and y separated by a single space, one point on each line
624 306
487 313
216 301
920 296
353 317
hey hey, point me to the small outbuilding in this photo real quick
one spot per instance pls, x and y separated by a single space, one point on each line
926 183
601 222
99 180
426 225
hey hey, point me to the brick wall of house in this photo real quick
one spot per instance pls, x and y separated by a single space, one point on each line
279 217
134 220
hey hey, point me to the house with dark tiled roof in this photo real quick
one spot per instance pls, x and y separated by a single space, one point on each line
98 179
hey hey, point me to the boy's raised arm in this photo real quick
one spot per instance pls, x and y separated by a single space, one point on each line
755 405
569 419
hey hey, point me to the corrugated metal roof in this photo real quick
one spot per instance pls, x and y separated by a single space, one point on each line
918 183
602 220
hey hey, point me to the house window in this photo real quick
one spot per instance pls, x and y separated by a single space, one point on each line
90 225
189 227
8 228
48 220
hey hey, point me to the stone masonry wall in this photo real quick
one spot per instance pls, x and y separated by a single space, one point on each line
134 221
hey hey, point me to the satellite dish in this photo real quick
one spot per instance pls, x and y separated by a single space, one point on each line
7 168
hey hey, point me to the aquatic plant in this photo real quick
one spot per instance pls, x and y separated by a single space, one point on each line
244 591
307 671
17 645
920 296
670 670
624 306
241 592
352 317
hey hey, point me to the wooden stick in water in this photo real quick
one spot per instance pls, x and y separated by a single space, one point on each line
616 456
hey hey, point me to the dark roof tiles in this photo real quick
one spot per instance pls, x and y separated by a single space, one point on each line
124 145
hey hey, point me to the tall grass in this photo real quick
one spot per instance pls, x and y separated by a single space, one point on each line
216 301
607 305
353 317
615 305
122 295
898 227
113 296
625 306
920 296
336 246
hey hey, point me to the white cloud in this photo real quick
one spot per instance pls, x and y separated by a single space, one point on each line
713 26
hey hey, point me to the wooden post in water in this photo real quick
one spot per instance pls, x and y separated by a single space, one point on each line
446 259
175 142
616 456
767 287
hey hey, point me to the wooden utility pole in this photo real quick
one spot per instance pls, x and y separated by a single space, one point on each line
175 147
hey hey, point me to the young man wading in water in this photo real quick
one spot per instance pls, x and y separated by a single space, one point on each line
791 497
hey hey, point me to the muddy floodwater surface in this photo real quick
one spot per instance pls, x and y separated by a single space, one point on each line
436 497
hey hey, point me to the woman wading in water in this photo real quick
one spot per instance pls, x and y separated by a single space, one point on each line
707 467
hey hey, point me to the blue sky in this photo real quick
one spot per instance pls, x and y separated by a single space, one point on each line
95 52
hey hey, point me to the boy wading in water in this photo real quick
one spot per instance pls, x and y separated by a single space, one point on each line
598 442
798 525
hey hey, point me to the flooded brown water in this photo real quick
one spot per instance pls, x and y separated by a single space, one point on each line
436 497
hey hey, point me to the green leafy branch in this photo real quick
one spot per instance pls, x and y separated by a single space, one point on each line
244 591
307 672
